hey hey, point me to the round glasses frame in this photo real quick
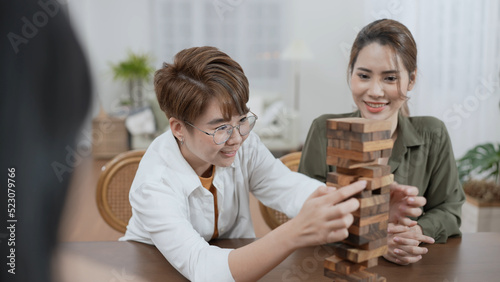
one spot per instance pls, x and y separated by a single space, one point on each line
229 128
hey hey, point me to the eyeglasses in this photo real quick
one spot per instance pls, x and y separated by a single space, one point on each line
224 132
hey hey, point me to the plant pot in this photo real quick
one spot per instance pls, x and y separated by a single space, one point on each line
480 216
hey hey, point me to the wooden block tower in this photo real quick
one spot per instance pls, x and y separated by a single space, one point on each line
355 146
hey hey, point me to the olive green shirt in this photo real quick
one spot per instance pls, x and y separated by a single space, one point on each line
422 156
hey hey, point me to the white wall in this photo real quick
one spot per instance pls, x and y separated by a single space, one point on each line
327 27
108 30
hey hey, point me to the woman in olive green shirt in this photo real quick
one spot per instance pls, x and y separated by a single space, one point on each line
382 69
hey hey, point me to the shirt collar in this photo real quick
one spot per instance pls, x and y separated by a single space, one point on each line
172 156
407 137
183 170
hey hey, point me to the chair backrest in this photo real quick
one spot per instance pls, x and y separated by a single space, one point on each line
272 217
113 188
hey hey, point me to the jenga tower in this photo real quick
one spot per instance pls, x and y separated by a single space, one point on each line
355 146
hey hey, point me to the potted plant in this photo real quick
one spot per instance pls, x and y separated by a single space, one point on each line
134 70
479 172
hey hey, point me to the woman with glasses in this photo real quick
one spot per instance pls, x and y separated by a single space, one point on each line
194 180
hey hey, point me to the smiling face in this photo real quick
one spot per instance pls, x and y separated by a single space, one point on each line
378 85
200 150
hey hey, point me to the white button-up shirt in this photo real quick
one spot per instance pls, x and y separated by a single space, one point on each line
172 210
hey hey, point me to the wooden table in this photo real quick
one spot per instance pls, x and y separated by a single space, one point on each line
474 257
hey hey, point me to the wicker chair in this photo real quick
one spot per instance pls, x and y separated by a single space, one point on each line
272 217
113 188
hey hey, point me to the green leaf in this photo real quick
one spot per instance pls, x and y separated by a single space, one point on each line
484 158
135 66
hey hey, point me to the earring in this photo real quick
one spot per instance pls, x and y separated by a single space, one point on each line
182 141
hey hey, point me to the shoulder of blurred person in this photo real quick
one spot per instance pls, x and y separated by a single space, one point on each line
45 98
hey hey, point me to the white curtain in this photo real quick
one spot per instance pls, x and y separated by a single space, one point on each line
458 77
252 32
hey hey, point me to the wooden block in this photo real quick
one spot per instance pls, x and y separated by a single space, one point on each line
357 136
345 126
386 153
374 183
363 194
331 123
337 143
378 135
374 201
359 124
346 163
346 267
374 244
353 155
358 240
372 171
368 146
370 125
362 230
367 220
372 210
337 277
337 134
356 255
382 190
359 276
381 279
340 179
332 262
333 185
369 245
364 276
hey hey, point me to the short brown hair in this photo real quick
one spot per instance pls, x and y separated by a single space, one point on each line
387 33
185 87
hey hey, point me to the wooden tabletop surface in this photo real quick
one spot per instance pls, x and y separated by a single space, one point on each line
474 257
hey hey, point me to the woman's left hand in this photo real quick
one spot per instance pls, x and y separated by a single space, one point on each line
405 202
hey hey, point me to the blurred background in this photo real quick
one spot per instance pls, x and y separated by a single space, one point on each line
295 55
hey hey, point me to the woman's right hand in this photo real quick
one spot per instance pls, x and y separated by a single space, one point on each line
403 244
326 215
